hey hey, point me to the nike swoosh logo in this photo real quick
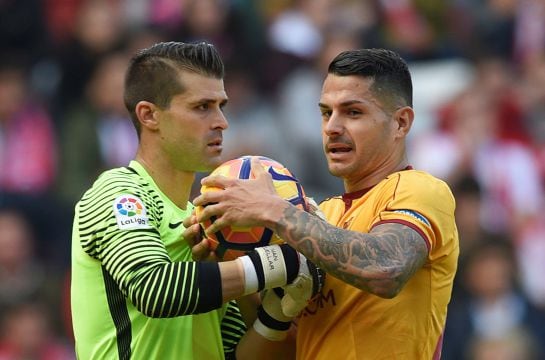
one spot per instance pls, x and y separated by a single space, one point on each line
174 225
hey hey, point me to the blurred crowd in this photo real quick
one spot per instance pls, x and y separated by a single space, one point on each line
479 79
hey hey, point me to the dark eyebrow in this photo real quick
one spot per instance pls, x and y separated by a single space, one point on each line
211 101
344 104
352 102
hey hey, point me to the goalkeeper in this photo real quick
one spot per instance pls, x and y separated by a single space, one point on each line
136 293
390 244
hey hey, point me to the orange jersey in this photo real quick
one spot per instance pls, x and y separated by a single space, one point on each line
344 322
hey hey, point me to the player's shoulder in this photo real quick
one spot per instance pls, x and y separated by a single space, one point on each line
122 180
331 202
424 186
125 173
331 199
419 178
118 177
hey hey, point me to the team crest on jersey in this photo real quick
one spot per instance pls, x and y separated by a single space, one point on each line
130 213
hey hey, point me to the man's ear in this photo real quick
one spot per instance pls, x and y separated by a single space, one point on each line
146 113
404 118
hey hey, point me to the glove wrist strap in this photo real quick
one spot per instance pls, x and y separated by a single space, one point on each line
275 265
270 333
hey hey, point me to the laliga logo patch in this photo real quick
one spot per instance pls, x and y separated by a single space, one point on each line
130 213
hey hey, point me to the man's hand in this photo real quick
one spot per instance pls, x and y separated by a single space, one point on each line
308 283
242 202
193 234
271 323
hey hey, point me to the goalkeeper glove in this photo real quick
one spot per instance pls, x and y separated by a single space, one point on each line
280 305
298 293
271 323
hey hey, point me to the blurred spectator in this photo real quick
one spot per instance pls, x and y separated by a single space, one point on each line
514 345
236 34
254 127
297 30
529 32
60 19
97 132
531 95
22 275
23 29
429 78
481 132
26 333
494 28
407 31
468 194
28 152
494 308
530 251
99 29
28 160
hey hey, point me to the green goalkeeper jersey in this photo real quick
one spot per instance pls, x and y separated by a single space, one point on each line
135 292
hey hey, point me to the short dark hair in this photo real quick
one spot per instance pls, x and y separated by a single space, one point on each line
153 73
392 79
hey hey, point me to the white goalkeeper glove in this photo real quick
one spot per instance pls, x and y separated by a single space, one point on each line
280 305
271 323
308 283
310 280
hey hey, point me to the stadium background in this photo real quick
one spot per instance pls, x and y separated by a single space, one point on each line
479 80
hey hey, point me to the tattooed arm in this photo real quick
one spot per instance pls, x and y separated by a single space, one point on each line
380 262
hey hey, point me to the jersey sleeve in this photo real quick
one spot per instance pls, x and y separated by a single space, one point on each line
232 329
118 226
421 202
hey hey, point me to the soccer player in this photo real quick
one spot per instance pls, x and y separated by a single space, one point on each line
136 293
390 243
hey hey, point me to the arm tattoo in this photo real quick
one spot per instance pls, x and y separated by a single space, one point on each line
380 262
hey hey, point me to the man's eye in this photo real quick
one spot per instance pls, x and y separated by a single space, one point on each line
326 114
353 112
203 107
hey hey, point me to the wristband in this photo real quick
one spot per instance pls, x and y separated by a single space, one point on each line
251 283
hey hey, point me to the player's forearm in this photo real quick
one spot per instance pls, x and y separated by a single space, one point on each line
187 288
174 289
165 289
377 263
232 280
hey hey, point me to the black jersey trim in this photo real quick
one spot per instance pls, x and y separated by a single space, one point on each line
120 316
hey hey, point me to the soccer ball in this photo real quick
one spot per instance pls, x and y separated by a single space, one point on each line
232 242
